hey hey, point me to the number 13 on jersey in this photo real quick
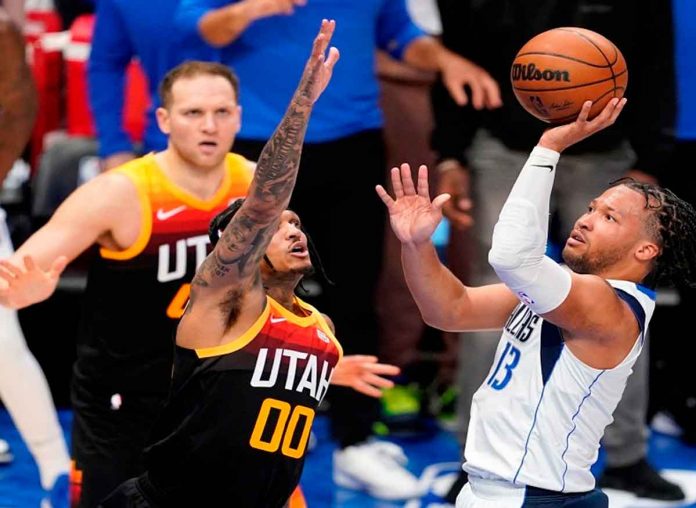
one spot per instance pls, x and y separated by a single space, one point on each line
503 370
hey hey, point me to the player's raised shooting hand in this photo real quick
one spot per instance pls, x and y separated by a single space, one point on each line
561 137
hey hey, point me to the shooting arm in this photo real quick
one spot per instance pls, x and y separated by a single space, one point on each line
519 238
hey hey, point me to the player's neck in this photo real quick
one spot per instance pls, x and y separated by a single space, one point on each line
623 272
285 296
201 182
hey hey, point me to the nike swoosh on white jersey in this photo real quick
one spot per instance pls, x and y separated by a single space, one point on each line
168 214
277 319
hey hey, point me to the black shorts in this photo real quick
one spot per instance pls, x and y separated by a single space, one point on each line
128 495
107 446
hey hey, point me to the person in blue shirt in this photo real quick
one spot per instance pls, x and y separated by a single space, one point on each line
342 161
127 29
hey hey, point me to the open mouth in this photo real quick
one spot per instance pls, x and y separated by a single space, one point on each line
576 237
208 144
299 250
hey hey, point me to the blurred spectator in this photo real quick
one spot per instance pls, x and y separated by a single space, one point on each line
482 147
23 387
342 161
127 29
124 30
678 396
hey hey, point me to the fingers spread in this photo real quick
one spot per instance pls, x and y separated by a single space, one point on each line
378 381
423 181
10 268
407 180
440 200
384 196
396 183
367 389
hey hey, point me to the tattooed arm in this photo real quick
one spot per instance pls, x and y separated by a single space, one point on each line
226 294
244 240
18 102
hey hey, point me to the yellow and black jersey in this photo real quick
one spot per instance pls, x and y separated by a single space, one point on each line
134 296
235 429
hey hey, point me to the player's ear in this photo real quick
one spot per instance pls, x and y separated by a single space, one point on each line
647 251
162 115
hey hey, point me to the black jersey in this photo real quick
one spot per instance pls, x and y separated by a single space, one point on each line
235 429
134 297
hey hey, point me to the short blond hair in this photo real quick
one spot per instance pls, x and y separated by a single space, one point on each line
191 69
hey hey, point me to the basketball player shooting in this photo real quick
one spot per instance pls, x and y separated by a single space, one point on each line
569 335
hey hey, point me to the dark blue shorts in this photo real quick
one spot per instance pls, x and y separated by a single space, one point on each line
535 497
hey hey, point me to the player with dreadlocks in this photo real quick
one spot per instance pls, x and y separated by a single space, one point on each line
220 221
570 335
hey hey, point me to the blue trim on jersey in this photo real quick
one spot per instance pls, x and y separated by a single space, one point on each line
652 294
637 309
551 346
550 351
572 420
526 444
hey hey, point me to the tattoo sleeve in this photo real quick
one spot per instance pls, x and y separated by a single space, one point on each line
18 99
244 240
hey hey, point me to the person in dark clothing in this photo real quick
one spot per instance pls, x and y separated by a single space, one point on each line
252 361
479 146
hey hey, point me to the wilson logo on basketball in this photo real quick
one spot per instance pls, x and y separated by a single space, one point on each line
530 72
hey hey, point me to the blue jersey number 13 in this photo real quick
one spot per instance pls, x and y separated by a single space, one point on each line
506 364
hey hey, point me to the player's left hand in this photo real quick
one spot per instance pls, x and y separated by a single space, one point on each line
363 373
24 285
319 68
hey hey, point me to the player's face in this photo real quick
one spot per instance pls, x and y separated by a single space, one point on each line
288 250
609 233
202 119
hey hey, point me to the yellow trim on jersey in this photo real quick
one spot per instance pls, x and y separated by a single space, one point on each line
233 164
239 342
236 170
322 324
314 318
145 212
293 318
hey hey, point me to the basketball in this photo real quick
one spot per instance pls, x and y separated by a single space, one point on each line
558 70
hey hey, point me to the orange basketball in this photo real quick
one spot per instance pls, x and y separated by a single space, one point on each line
558 70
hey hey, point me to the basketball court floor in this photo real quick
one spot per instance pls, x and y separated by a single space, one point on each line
434 460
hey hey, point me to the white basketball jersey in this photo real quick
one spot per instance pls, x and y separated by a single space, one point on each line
539 415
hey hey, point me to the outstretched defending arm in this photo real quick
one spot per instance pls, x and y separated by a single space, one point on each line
236 256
